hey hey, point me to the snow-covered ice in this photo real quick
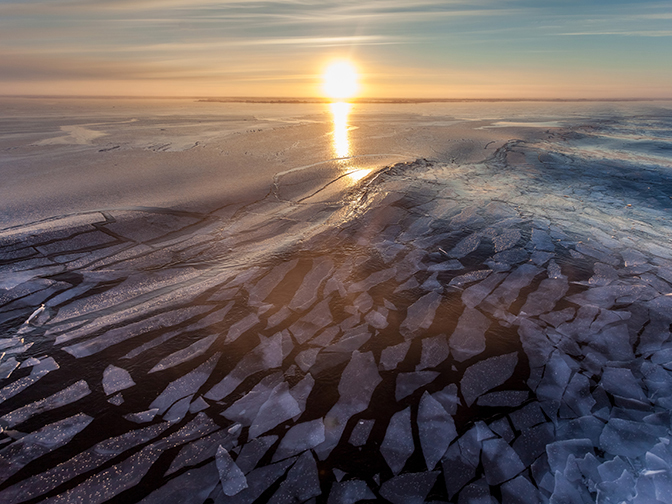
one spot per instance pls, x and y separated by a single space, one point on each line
488 323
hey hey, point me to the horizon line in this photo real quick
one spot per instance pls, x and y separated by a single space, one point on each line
313 100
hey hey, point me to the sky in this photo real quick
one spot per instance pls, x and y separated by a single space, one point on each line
401 48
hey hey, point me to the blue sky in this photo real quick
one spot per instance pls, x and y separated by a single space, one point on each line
402 48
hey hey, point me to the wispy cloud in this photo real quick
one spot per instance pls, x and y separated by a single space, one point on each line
287 40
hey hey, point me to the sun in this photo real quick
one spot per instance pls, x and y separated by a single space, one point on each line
340 80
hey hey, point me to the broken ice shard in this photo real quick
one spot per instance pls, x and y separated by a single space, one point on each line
299 438
279 407
390 357
500 461
398 444
184 386
232 478
420 314
407 383
186 354
360 434
38 443
409 488
358 381
302 482
350 492
435 350
468 339
66 396
267 355
436 429
486 375
116 379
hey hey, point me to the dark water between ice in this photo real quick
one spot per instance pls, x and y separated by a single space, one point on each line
487 332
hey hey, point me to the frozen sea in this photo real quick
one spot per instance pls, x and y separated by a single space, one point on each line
206 302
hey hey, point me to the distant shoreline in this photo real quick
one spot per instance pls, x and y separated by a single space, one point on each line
295 100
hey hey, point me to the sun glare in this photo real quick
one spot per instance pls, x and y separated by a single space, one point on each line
340 80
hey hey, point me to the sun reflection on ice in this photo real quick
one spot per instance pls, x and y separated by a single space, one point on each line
340 111
341 141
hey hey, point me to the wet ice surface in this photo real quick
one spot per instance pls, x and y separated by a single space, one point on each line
494 331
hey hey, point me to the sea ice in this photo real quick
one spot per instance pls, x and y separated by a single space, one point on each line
621 382
420 314
553 384
363 303
372 280
448 398
527 416
116 379
473 295
39 443
468 339
390 357
629 438
40 370
506 239
327 336
398 444
318 318
506 398
203 449
116 399
258 482
472 276
240 327
306 359
8 367
436 429
121 334
507 292
466 246
577 395
142 416
409 488
245 409
486 375
520 491
407 383
260 291
178 410
435 350
232 478
457 470
502 427
377 318
184 355
279 407
350 492
361 431
500 461
302 482
543 300
185 386
299 438
79 464
542 241
66 396
192 486
302 390
253 451
267 355
112 481
358 381
559 451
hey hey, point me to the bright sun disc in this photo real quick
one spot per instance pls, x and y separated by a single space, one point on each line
340 80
